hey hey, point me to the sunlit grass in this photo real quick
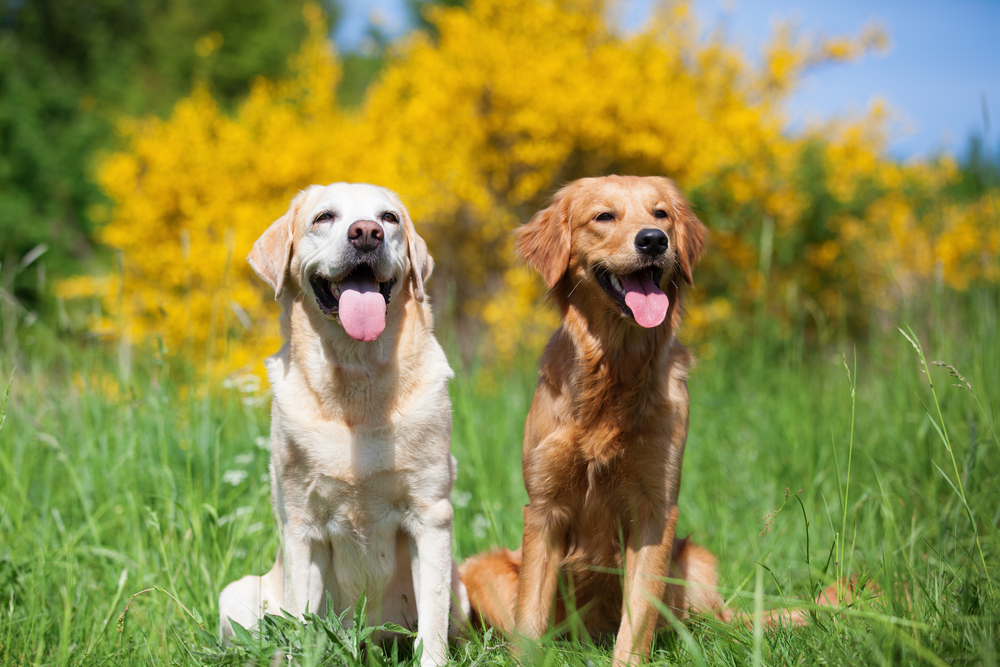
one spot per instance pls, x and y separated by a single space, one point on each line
111 487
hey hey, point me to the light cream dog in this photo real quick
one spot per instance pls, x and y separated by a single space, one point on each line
361 470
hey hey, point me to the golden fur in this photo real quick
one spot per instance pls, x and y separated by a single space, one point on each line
605 435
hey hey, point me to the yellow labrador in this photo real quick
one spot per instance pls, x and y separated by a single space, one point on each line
361 470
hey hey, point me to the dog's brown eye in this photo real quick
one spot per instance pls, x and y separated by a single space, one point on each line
322 217
389 216
605 217
661 214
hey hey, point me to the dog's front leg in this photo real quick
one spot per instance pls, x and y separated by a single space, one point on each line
306 565
542 553
548 459
647 563
430 560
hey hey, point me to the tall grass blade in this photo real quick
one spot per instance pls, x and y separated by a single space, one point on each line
942 430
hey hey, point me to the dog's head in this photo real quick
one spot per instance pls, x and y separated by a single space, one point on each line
348 248
623 240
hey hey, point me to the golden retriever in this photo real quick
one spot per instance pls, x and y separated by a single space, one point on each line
605 435
361 470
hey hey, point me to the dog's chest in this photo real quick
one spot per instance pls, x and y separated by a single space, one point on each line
352 480
353 456
354 498
362 524
609 492
359 484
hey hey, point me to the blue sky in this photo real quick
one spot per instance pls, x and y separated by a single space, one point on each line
943 61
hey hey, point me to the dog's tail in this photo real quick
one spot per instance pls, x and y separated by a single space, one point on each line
851 591
491 581
696 566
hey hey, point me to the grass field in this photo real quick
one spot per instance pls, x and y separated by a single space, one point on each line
131 488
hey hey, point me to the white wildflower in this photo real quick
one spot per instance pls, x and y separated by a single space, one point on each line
460 498
479 525
235 477
240 511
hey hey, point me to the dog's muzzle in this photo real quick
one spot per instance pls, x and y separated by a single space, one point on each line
359 300
637 295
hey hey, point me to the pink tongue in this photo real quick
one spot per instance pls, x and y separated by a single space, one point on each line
648 303
361 310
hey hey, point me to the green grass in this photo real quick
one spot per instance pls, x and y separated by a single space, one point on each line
112 487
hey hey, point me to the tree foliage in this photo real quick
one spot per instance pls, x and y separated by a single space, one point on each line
69 69
477 128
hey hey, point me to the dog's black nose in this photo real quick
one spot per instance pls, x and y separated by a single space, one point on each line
652 242
365 235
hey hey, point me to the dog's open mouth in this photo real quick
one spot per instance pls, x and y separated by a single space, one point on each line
359 301
638 295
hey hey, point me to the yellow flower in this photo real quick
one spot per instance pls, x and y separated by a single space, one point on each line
477 129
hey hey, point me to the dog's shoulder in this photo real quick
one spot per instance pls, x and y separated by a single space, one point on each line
403 412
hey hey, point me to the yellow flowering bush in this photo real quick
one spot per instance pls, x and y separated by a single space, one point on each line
477 128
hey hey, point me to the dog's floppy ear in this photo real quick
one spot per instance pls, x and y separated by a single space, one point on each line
421 262
272 252
691 234
544 241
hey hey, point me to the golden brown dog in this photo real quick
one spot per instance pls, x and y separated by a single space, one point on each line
605 434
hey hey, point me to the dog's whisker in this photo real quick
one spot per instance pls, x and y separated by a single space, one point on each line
578 283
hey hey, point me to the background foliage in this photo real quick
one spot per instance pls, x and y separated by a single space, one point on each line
477 125
70 69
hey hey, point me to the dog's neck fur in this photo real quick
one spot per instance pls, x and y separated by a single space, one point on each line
620 368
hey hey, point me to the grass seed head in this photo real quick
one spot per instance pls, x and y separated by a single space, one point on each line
952 371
